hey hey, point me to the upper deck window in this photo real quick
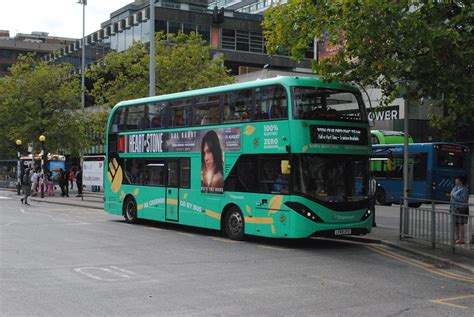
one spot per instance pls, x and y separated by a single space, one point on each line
327 104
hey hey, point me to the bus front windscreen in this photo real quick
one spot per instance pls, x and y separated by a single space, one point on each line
333 179
327 104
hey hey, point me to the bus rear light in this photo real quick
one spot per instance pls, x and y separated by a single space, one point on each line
304 211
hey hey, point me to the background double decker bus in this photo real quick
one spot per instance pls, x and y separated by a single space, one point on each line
286 157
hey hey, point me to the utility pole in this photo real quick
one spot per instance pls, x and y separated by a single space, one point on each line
152 48
83 62
406 184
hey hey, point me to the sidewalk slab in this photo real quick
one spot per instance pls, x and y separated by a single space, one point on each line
462 259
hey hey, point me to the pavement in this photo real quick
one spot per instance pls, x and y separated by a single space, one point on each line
386 232
60 260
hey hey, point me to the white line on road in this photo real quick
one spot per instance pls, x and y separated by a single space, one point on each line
153 228
225 240
123 270
186 234
271 248
77 223
111 270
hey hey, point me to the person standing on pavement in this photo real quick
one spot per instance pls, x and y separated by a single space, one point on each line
72 177
26 184
63 183
79 182
459 206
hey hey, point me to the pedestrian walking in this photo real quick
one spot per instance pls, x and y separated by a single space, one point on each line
459 207
72 177
372 191
79 182
34 182
63 183
26 184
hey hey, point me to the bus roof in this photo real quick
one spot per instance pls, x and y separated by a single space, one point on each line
415 146
283 80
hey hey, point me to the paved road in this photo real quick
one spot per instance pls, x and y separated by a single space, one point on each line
59 261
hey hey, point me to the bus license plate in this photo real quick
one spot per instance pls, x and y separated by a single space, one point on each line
342 231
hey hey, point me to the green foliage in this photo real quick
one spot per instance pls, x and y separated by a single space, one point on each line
423 49
182 63
37 98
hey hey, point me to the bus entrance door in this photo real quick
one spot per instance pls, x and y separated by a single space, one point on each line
172 191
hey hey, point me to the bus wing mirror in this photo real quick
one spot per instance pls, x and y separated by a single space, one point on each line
285 167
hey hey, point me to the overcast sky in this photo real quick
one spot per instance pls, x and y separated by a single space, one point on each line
57 17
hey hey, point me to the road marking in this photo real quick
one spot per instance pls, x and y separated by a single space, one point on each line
272 248
77 223
225 240
422 265
4 197
102 273
443 301
153 228
186 234
123 270
22 211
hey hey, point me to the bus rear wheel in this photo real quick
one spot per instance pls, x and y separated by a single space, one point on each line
234 224
130 210
380 197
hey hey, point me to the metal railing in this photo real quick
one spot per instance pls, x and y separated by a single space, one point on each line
434 222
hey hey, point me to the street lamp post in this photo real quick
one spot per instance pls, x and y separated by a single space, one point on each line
83 59
18 166
42 138
152 48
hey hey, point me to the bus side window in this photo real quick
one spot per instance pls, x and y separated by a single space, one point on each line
154 173
116 120
207 110
271 103
135 116
158 114
237 105
185 173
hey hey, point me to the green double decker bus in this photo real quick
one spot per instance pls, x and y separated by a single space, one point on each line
286 157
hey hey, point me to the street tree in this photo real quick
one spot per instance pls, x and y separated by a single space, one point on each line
183 62
423 50
39 98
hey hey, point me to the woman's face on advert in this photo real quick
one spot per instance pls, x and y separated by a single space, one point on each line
208 157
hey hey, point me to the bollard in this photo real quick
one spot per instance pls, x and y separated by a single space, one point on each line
433 225
401 220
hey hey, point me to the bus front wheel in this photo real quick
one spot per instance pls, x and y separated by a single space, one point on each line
234 224
380 197
130 210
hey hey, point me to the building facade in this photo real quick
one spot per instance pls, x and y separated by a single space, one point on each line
234 35
37 42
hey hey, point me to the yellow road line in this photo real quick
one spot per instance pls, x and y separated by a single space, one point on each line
422 265
443 301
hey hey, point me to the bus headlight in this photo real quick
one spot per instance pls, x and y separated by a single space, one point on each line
304 211
366 215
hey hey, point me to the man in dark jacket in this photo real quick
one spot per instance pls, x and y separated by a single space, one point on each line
79 182
26 183
63 183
